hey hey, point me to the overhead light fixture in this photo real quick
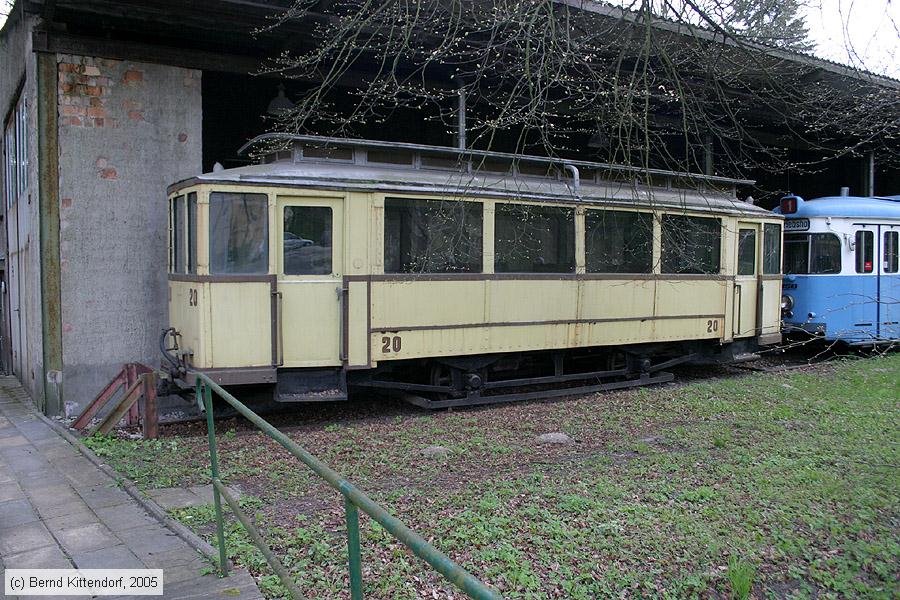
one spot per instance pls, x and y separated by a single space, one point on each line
280 104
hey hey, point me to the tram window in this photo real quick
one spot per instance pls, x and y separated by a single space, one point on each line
534 239
432 236
238 233
824 254
618 242
747 252
796 253
177 234
891 251
815 254
192 232
307 240
691 244
771 249
865 251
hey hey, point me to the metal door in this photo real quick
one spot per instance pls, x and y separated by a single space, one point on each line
15 309
310 270
747 282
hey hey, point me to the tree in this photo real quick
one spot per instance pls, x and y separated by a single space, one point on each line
581 78
777 23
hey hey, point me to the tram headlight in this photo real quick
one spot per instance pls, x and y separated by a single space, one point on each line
787 306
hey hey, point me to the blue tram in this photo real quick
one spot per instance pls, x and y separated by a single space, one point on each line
841 271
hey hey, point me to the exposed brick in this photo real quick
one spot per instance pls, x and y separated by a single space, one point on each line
93 91
132 105
69 110
182 137
65 67
95 111
92 71
74 121
67 88
96 102
67 203
133 76
67 327
136 115
108 173
102 162
99 122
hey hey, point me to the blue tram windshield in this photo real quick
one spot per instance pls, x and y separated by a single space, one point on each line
812 253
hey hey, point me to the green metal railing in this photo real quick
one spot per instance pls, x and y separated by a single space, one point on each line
354 501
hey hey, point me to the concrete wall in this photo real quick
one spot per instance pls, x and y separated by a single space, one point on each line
21 224
127 130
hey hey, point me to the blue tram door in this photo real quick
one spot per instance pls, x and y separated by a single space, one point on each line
889 282
862 296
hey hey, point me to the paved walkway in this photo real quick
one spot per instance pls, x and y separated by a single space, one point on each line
58 510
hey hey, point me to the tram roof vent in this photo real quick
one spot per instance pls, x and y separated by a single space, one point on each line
275 147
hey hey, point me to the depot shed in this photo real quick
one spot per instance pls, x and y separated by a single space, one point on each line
106 102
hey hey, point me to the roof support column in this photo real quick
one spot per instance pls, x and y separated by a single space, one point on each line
48 215
869 174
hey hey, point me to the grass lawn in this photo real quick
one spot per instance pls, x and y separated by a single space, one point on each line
772 485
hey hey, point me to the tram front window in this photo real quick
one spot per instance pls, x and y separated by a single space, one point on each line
238 234
812 253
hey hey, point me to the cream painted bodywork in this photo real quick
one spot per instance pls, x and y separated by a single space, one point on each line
352 317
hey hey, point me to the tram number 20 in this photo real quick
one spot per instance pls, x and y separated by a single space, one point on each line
712 326
391 344
192 297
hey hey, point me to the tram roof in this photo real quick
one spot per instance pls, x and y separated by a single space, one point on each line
336 163
847 206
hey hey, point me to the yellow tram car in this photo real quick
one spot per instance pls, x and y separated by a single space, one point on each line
460 276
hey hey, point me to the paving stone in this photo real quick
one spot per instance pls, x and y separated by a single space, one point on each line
24 537
21 460
114 557
16 512
48 478
48 557
60 452
150 541
102 497
5 475
86 538
50 495
84 516
174 557
124 517
238 585
178 574
174 498
13 440
72 507
205 492
11 491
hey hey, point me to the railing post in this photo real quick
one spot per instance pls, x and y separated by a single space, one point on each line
214 467
353 553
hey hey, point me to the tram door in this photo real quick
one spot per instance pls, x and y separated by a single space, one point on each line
310 269
746 284
889 282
